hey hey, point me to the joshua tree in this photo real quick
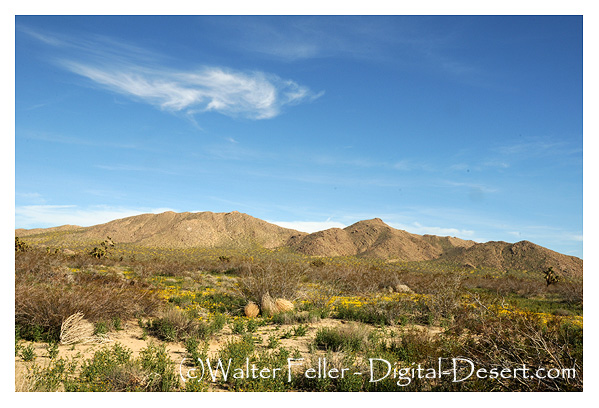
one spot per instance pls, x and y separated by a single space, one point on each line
20 246
550 276
103 250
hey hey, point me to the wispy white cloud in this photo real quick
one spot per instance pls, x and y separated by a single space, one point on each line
402 41
43 216
253 95
501 164
140 75
538 147
36 198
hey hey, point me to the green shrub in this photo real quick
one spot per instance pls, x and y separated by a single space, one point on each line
273 342
52 349
347 338
28 353
238 326
100 328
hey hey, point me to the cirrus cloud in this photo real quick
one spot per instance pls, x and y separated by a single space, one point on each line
253 95
142 75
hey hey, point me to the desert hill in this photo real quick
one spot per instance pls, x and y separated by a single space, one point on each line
174 230
377 239
21 232
523 255
369 238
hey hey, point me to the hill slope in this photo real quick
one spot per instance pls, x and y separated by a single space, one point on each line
523 255
371 238
176 230
377 239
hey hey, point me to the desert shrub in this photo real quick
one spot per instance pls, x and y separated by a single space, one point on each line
43 302
569 290
173 325
317 263
240 350
100 328
155 360
51 377
300 330
192 346
238 326
221 302
413 346
376 311
217 323
110 369
279 279
507 285
36 264
347 338
52 349
305 316
444 292
252 325
28 353
509 339
273 342
361 277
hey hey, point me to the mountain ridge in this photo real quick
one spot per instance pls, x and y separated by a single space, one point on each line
366 238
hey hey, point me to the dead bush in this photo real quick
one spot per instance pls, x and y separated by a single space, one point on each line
43 302
277 279
511 340
359 278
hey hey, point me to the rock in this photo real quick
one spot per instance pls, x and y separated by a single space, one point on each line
399 288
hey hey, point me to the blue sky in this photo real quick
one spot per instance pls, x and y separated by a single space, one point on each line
465 126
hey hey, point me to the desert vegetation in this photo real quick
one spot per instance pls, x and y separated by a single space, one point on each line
74 311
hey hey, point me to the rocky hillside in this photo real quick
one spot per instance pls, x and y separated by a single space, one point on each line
377 239
523 255
174 230
371 238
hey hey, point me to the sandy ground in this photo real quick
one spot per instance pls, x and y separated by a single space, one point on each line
131 337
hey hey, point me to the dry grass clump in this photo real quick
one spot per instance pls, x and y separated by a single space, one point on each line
283 305
76 329
272 306
268 305
251 309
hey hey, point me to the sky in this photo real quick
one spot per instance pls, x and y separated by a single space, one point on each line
467 126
